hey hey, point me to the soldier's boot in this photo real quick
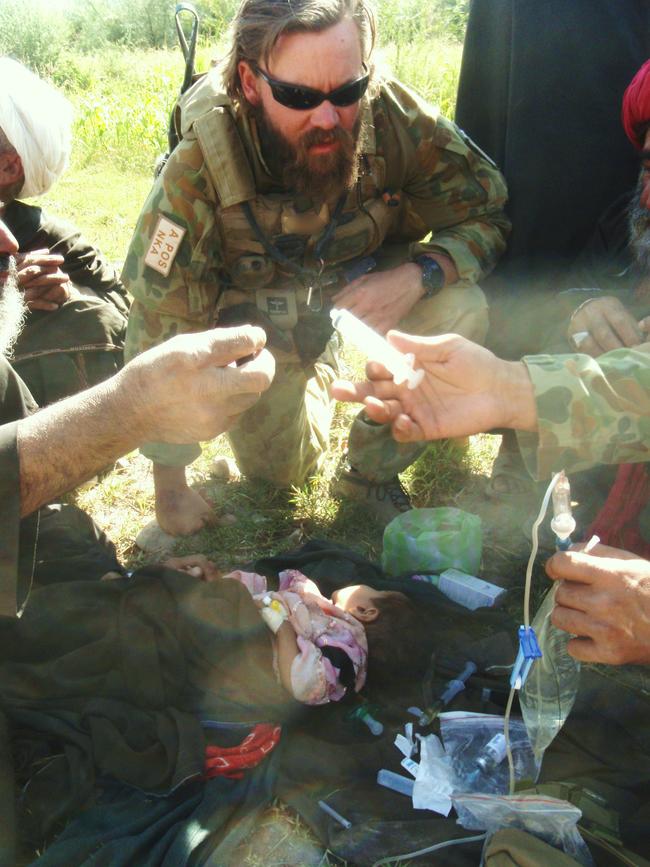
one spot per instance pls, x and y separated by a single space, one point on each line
374 461
386 500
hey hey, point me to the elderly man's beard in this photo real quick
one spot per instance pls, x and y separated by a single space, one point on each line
640 231
315 176
12 307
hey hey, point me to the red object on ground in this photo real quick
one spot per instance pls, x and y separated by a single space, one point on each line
233 761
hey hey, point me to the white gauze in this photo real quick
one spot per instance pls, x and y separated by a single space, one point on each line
37 120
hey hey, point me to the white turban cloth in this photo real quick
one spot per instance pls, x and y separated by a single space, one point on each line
37 120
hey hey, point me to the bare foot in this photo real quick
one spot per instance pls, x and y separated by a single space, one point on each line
180 511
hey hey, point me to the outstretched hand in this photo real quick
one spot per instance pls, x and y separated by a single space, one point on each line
604 599
191 388
466 389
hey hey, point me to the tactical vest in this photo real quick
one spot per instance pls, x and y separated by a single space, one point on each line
245 214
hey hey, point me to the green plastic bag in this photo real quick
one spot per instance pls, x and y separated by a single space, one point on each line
428 541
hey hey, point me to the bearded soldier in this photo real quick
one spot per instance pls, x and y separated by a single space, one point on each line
304 180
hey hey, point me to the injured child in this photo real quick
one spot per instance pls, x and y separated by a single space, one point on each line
322 645
135 679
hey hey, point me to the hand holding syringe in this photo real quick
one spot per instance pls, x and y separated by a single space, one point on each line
376 348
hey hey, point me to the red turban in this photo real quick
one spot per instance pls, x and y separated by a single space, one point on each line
636 106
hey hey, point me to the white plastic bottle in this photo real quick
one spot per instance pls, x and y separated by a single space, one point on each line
466 590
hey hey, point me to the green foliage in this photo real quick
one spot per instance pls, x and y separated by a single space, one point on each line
405 21
37 34
136 23
122 116
32 33
429 66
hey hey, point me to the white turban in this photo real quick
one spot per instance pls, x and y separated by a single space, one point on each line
37 120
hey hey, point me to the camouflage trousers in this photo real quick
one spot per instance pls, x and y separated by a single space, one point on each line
285 436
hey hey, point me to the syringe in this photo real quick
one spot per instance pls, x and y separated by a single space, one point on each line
376 348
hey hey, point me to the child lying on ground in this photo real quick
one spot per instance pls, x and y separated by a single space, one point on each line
322 646
154 680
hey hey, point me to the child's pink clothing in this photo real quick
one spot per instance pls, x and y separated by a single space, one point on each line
317 623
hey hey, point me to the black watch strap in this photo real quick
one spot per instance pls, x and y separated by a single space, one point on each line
433 277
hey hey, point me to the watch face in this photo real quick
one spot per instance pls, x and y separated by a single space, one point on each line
433 277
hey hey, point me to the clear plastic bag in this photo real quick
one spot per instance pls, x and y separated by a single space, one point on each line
477 749
551 687
549 819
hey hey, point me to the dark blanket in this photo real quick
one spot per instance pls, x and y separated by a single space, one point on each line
115 678
157 666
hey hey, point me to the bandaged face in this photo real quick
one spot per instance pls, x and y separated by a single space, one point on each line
640 213
12 305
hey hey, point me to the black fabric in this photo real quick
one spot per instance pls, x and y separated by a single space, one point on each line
114 679
17 539
540 91
72 547
198 824
54 544
83 263
63 351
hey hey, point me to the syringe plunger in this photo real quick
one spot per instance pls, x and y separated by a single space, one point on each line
376 347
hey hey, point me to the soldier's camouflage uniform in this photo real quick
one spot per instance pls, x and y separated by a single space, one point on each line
440 183
590 410
597 411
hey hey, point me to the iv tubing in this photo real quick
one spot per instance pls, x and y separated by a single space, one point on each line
455 842
529 579
535 546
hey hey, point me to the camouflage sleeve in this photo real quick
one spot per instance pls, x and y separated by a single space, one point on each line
590 411
172 265
453 190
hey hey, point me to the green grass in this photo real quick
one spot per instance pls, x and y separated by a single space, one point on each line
103 201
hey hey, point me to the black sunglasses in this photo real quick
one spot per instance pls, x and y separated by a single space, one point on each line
302 98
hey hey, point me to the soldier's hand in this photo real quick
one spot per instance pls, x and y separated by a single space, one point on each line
602 324
190 388
39 275
384 298
466 389
604 599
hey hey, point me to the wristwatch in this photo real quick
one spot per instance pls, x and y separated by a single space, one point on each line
433 277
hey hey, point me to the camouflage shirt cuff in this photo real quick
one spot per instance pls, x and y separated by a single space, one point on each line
588 411
468 267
